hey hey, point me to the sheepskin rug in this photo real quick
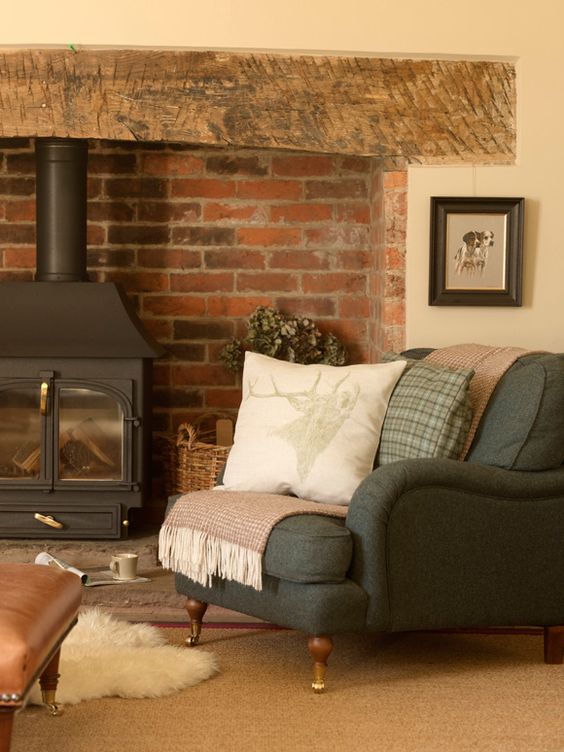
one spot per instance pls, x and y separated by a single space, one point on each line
107 657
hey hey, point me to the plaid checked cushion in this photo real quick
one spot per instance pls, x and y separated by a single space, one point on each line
428 414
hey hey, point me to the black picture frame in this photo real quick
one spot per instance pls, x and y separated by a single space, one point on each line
476 251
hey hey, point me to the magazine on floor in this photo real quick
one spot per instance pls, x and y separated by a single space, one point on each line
88 579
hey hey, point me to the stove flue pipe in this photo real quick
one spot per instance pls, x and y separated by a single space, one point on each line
61 179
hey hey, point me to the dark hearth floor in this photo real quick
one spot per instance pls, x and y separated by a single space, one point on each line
155 601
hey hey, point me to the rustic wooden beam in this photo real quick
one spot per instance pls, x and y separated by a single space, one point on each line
428 111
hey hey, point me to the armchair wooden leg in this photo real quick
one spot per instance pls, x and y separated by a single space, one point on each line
320 648
196 610
48 682
553 644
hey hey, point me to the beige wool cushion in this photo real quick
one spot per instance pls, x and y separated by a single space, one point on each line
312 431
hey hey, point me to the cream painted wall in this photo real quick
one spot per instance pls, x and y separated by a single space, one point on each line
530 32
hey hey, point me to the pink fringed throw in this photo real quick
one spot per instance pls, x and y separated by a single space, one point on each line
224 533
489 364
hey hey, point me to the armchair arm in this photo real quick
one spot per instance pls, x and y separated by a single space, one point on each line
441 543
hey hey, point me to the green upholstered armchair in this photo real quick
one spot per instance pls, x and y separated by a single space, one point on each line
430 543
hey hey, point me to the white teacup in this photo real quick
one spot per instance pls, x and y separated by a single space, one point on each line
124 566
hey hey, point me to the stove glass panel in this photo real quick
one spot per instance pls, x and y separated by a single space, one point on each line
91 436
20 433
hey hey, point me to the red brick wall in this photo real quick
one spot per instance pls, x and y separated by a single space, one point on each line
392 265
200 237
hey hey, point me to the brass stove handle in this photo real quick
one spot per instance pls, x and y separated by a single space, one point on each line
48 519
43 397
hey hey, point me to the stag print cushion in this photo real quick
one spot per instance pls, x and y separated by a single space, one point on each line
311 431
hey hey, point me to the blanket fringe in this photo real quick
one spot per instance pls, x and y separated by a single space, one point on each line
200 556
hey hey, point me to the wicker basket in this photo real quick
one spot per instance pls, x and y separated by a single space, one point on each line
197 463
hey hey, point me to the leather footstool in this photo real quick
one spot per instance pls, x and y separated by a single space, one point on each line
38 608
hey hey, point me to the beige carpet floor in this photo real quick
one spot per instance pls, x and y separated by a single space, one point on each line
397 693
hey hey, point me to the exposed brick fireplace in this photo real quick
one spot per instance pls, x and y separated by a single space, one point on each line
199 236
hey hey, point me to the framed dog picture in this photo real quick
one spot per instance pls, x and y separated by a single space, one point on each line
476 251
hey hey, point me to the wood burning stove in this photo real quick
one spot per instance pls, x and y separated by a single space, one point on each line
75 377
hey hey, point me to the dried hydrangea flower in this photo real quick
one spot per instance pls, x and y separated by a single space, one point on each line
286 337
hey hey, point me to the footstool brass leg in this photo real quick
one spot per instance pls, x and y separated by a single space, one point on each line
196 610
320 648
48 682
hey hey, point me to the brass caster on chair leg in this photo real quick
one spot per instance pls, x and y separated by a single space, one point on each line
318 683
48 697
193 640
